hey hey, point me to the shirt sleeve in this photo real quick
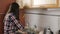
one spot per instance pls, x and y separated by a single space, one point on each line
19 25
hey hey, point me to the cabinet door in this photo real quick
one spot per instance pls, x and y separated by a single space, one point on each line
44 3
59 3
38 3
23 3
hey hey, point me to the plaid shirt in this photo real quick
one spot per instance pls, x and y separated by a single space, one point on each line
11 24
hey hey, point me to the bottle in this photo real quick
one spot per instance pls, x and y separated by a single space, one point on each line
48 31
59 32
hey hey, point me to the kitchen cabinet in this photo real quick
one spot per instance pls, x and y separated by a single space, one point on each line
4 4
38 3
23 3
59 3
44 3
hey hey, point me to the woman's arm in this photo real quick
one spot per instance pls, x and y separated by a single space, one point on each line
18 25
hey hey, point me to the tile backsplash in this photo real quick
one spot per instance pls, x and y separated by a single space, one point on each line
43 21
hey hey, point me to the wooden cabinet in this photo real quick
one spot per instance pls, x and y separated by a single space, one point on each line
4 4
22 17
59 3
1 24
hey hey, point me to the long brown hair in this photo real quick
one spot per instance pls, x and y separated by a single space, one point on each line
15 10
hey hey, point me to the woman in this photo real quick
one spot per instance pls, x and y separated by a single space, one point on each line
11 20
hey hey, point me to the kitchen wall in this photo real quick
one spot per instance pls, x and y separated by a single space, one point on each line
42 21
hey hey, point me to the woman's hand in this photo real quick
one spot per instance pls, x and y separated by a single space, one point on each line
22 32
